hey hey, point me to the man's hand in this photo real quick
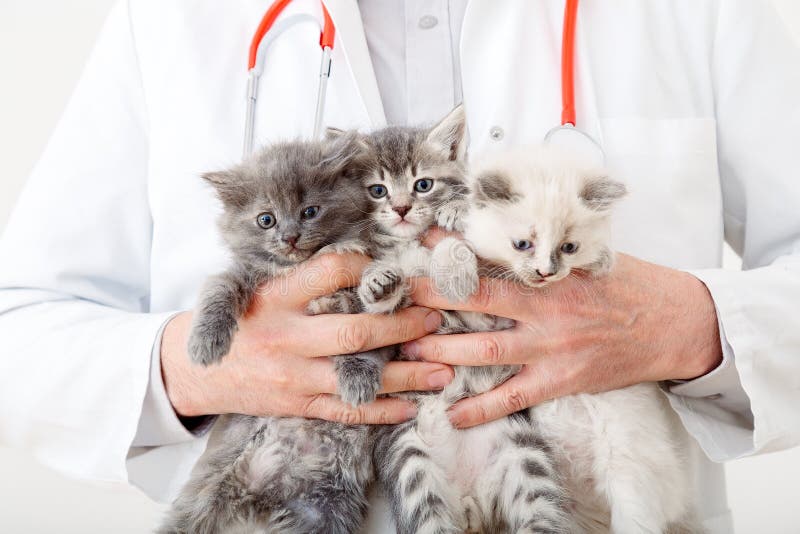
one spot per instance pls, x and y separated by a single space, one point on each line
640 323
278 362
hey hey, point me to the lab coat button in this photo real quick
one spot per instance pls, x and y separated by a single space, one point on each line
427 22
496 133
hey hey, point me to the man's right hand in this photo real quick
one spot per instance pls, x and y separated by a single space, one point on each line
278 363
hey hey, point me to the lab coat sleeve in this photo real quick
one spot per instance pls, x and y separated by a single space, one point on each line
750 404
77 333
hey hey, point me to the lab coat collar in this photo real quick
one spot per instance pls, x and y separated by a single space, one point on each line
350 34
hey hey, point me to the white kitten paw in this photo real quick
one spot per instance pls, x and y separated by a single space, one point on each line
382 290
454 270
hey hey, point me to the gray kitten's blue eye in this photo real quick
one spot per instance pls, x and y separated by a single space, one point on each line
310 212
266 220
569 248
522 244
423 186
378 191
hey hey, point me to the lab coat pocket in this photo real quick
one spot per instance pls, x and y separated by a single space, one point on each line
673 214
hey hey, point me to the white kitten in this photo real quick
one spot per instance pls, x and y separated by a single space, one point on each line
536 217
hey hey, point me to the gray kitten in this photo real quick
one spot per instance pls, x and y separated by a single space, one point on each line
288 475
500 477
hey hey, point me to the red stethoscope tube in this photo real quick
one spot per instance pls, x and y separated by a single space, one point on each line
255 63
568 63
326 37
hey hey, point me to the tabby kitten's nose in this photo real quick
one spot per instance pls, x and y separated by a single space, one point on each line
290 239
401 210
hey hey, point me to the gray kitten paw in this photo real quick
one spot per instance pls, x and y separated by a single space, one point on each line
358 379
210 338
454 270
382 290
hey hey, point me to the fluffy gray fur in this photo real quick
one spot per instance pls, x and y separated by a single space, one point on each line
283 475
421 464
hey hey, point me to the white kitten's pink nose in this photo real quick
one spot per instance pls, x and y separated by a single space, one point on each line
544 274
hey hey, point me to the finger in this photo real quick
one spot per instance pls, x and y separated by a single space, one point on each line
415 376
485 348
495 297
379 412
518 393
317 277
331 335
435 235
319 376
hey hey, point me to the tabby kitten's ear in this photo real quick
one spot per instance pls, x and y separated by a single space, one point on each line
600 192
229 185
449 136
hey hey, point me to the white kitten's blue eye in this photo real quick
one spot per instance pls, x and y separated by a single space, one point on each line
378 191
569 248
522 244
266 220
423 186
310 212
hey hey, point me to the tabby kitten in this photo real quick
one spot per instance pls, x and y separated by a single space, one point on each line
288 203
500 477
538 217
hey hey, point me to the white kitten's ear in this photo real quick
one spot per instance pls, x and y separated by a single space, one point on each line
228 185
449 136
494 187
601 192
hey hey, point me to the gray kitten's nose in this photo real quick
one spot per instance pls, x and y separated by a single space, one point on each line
401 210
290 239
544 275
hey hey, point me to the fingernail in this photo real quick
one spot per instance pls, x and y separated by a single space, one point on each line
411 412
410 349
455 419
433 321
440 379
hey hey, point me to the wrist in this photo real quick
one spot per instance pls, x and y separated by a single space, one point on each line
183 381
701 350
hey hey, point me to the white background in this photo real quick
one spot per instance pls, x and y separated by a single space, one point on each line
43 45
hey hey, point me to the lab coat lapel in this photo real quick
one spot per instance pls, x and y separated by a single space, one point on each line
350 35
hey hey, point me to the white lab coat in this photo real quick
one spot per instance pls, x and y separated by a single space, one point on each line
696 104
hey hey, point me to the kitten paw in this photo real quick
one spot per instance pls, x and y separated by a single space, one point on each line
382 290
451 216
210 338
454 270
340 302
359 379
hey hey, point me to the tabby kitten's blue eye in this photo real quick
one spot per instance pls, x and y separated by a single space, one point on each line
266 220
522 244
378 191
569 248
310 212
423 186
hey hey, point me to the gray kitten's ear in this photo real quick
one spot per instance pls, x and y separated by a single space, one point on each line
449 135
345 151
494 187
601 192
332 133
228 185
